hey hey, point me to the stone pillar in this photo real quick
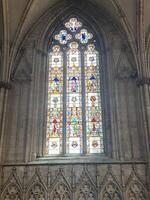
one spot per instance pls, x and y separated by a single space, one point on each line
4 87
144 86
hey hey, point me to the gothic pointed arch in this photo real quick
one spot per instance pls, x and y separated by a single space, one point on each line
61 188
135 188
40 40
36 188
12 188
111 189
86 189
64 85
63 7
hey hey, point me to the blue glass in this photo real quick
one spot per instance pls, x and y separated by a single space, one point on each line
92 78
63 37
83 36
74 78
56 80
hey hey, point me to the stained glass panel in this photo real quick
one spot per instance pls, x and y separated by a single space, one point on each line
55 109
65 90
93 102
63 37
74 102
73 25
84 36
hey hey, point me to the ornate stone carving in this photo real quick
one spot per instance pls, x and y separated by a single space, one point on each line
87 188
12 189
12 193
111 189
36 192
135 188
61 189
61 192
37 189
136 192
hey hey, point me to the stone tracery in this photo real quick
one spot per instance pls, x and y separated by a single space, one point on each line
36 192
12 193
86 188
120 103
61 192
136 191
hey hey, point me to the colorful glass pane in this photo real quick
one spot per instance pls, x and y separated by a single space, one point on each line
55 109
63 37
93 102
74 101
72 93
73 24
84 36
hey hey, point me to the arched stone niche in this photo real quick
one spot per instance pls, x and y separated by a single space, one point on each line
29 94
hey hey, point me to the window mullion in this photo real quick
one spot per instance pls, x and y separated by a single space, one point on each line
83 104
64 102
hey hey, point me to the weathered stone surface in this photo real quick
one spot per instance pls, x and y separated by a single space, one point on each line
123 172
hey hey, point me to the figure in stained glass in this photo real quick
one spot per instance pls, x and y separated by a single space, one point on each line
91 83
93 101
74 122
67 91
74 108
55 109
74 84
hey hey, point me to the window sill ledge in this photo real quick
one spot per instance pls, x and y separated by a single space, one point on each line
72 159
88 159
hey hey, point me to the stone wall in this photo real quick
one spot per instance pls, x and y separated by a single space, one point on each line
122 173
26 103
74 182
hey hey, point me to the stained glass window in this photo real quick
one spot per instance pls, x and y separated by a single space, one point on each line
74 102
63 37
55 95
93 101
74 116
84 36
73 24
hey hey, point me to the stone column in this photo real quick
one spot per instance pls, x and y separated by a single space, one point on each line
4 86
144 79
144 87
